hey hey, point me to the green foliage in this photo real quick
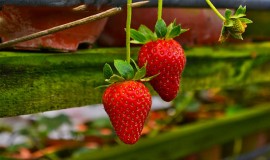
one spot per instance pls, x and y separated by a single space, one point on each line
147 32
144 34
107 71
245 20
140 73
161 28
228 13
138 37
115 78
126 72
124 68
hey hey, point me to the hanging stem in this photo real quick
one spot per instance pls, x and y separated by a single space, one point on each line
160 9
215 10
129 12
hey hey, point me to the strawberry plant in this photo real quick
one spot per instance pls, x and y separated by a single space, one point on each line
164 56
233 24
127 100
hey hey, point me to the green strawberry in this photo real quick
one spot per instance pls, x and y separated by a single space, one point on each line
234 25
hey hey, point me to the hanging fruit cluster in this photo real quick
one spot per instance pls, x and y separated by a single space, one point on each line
161 61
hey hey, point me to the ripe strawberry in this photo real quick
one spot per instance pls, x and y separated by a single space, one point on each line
166 58
163 56
127 101
127 104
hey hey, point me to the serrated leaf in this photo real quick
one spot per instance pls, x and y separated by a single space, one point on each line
124 68
228 23
160 28
147 32
115 78
176 31
228 14
140 73
107 71
240 10
137 36
238 16
237 36
246 20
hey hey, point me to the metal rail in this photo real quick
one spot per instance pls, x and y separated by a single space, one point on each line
251 4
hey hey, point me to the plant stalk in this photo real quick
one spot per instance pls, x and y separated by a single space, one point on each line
215 10
160 9
128 23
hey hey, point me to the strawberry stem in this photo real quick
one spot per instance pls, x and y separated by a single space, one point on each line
128 23
215 10
160 9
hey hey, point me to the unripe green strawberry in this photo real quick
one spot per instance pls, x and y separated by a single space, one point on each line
165 58
238 26
234 25
127 103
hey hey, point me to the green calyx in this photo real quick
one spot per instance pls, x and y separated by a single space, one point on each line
234 25
126 72
162 31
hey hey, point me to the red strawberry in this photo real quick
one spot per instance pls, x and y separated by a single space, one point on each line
163 55
127 103
166 58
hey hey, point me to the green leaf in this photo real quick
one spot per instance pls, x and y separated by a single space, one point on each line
115 78
228 23
136 42
135 64
146 79
245 20
140 73
169 29
173 30
237 36
161 28
138 36
228 14
176 31
238 16
107 71
147 32
183 30
124 68
240 10
102 86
